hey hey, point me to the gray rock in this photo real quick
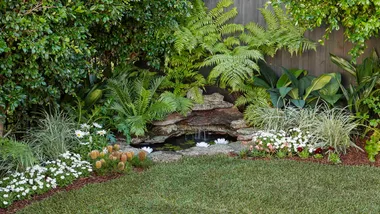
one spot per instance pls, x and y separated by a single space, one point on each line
136 141
128 148
211 150
246 131
238 124
165 156
213 101
165 130
238 147
157 139
170 119
244 137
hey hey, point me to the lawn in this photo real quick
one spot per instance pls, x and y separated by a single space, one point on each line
227 185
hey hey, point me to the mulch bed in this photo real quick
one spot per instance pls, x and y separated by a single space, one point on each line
353 157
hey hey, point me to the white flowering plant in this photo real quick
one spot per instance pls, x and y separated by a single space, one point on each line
41 178
293 141
91 137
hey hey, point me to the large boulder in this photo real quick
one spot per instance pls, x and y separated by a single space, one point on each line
213 101
214 115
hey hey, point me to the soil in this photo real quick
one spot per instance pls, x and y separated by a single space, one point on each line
353 156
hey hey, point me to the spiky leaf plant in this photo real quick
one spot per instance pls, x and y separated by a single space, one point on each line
54 135
15 155
137 103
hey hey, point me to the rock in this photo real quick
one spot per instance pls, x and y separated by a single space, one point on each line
213 117
164 156
156 139
244 137
128 148
168 130
246 131
136 141
211 150
170 119
239 124
213 101
238 147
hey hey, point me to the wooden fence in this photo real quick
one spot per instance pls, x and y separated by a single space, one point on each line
316 62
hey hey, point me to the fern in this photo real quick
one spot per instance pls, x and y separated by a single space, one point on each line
279 33
233 67
202 35
253 96
137 103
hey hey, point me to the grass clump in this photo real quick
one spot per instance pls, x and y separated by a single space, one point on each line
54 135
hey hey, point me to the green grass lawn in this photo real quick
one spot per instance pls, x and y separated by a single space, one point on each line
227 185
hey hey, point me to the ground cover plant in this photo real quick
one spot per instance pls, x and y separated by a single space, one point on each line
221 184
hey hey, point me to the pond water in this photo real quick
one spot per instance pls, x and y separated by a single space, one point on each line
186 141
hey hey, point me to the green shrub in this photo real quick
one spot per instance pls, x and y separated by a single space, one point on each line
47 48
15 156
358 18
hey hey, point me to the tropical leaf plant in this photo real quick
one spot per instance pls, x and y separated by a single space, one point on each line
367 77
297 87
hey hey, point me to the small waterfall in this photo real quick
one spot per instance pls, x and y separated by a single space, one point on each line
200 135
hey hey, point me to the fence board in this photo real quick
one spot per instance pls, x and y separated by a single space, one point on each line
315 62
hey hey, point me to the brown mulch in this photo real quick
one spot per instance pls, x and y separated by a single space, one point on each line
353 157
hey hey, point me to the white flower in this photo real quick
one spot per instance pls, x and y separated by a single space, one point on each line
202 144
34 187
221 141
97 125
147 149
5 196
85 126
5 202
79 133
84 143
101 132
105 150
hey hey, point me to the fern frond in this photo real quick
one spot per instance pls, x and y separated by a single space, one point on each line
270 19
222 19
231 29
